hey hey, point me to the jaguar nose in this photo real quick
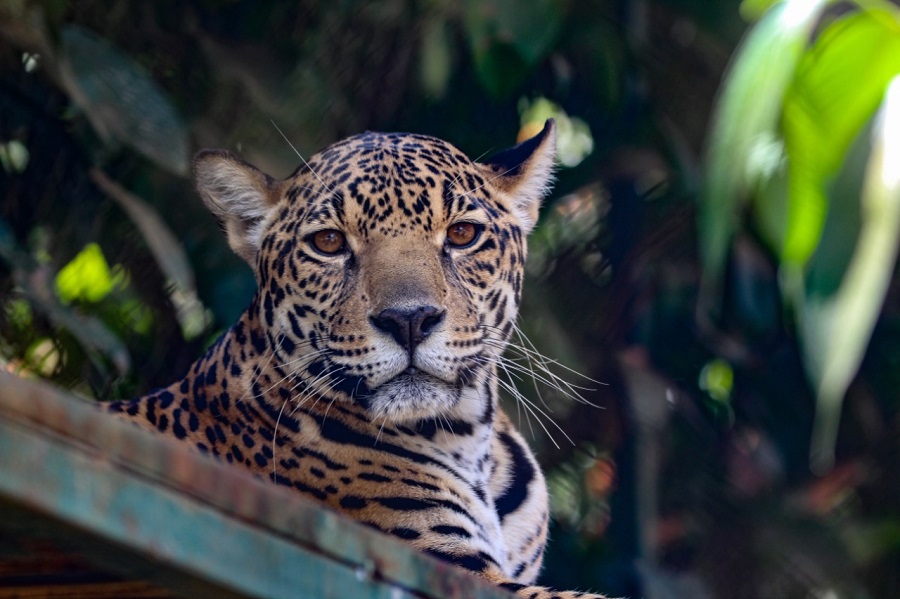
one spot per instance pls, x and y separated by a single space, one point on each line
408 326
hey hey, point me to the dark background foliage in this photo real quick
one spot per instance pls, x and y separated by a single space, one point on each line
691 479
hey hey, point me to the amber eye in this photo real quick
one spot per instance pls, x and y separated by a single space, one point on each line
462 235
328 241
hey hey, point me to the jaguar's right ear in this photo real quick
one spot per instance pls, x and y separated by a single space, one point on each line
239 195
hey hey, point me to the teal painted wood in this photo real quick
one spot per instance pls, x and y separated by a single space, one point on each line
178 512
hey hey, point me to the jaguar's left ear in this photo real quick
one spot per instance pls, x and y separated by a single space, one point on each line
525 173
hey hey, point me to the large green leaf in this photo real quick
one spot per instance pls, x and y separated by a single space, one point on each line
508 38
836 328
121 100
838 85
744 147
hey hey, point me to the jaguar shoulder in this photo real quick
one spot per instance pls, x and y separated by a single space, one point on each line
364 372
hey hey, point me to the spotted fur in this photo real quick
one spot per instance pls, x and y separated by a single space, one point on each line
365 378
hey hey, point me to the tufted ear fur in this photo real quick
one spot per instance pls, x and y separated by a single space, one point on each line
525 173
239 195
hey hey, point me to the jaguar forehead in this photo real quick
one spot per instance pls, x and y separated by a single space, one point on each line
384 174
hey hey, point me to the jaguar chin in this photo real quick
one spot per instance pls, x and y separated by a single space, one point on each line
412 396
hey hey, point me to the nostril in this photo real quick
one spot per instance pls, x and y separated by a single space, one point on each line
408 326
431 320
392 323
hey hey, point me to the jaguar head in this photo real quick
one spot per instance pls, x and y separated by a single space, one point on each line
389 266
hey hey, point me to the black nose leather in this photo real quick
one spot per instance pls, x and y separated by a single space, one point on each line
408 326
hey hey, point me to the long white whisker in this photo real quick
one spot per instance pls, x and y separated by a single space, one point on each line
301 157
542 363
515 393
551 380
555 382
380 430
523 338
534 411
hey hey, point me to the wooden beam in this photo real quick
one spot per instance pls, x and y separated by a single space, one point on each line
150 509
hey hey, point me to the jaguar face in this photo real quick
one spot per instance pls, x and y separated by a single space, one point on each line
389 267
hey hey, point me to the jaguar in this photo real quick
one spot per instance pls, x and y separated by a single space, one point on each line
364 373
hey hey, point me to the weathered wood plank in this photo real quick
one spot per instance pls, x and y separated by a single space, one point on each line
156 510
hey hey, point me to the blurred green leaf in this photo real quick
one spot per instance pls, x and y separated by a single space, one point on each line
840 232
508 38
869 541
14 156
500 68
823 114
744 131
574 141
121 100
717 379
87 277
836 329
36 282
436 57
770 205
752 10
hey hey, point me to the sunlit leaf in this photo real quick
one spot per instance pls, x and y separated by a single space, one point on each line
121 100
752 10
840 232
836 329
14 156
823 114
87 277
717 379
574 141
43 357
37 285
745 124
770 206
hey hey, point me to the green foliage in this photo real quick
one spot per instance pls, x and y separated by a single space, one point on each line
87 277
507 42
717 379
573 136
745 147
13 156
795 136
120 99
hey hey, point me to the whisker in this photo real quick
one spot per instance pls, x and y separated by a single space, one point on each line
548 378
524 339
511 389
535 411
301 157
380 430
